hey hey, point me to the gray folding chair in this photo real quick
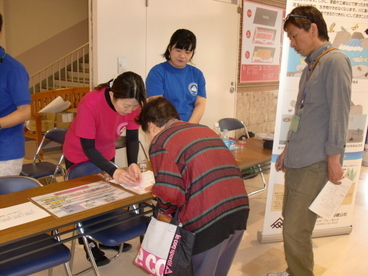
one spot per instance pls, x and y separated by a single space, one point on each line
235 124
40 169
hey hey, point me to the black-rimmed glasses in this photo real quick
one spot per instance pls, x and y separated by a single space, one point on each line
297 16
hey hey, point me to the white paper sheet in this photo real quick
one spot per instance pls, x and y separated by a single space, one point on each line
57 105
20 214
148 179
330 198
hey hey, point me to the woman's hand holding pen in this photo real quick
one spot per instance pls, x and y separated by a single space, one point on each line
131 176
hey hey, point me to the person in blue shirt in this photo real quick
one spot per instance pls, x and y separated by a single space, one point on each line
182 84
15 108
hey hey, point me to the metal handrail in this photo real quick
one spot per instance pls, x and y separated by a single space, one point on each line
67 71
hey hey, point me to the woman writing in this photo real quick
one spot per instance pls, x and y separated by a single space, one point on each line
102 116
182 84
190 177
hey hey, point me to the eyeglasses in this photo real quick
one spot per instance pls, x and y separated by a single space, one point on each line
297 16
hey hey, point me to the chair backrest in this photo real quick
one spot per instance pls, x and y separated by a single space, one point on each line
56 134
82 169
232 124
15 183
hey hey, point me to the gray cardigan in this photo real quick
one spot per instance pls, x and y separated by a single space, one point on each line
324 118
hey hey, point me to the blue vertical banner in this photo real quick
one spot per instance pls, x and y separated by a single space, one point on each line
351 38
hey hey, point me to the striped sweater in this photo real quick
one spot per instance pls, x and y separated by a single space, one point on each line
194 170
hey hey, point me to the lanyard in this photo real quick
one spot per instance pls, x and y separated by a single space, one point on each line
311 67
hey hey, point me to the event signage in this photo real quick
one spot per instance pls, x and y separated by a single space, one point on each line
351 38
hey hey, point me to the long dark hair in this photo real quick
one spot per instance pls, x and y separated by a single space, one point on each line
127 85
181 39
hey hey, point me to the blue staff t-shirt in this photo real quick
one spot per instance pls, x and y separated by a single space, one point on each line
180 86
14 91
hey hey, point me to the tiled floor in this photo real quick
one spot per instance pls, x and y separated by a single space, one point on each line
342 255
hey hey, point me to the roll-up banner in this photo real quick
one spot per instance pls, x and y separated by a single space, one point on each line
347 23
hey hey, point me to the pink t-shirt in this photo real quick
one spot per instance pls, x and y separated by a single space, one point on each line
96 120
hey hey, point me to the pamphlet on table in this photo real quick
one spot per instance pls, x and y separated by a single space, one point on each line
80 198
20 214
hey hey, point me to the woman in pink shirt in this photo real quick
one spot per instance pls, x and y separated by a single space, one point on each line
102 116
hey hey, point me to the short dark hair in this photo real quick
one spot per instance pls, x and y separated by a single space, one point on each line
1 22
181 39
157 111
307 16
127 85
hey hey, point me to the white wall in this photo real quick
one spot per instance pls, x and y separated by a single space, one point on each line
23 18
118 30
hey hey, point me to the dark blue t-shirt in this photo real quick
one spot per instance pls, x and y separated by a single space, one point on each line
14 91
180 86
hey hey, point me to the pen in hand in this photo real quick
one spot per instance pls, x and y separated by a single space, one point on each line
105 176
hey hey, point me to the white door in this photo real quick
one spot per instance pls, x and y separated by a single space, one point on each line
216 26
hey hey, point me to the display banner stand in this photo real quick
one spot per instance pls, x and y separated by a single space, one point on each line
349 37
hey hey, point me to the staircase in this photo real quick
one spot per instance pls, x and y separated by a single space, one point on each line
71 70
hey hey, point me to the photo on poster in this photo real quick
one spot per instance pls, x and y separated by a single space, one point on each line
347 36
264 36
356 129
265 16
263 54
285 125
351 171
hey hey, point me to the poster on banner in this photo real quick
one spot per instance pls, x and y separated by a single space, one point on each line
260 42
351 38
352 164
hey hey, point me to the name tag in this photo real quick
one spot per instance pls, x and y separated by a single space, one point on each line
294 123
